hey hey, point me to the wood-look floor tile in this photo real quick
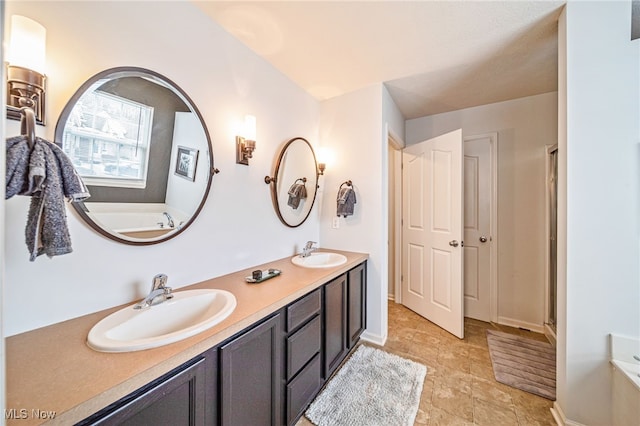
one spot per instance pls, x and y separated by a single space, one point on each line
490 391
487 414
443 418
460 388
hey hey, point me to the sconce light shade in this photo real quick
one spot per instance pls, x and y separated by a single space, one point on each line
249 127
324 157
25 69
246 143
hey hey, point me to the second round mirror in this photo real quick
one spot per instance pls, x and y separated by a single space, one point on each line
295 182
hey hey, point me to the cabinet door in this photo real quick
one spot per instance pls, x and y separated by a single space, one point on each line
251 374
335 323
357 296
177 398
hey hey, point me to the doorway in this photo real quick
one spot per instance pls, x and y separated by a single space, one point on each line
551 314
432 230
480 286
480 227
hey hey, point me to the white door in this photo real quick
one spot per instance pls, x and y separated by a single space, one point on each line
432 231
477 227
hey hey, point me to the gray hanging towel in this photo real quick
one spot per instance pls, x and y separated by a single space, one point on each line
346 201
297 192
47 175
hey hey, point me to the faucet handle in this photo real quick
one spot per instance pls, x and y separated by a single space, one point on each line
310 244
159 281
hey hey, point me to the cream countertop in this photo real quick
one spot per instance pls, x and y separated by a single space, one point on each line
52 369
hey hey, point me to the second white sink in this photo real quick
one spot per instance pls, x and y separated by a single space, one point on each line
319 260
188 313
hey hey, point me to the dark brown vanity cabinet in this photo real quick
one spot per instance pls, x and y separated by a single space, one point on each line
334 316
184 396
250 376
344 316
303 345
356 302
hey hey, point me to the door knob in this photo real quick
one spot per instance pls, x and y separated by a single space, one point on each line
483 239
453 243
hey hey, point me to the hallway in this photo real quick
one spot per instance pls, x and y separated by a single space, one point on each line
460 388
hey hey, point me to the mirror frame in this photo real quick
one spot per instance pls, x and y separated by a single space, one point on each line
129 71
272 182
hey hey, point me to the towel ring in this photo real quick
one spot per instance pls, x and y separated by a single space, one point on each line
28 125
348 183
303 179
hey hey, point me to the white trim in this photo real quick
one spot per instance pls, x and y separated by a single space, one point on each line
547 231
394 139
560 418
397 144
551 334
373 338
538 328
493 267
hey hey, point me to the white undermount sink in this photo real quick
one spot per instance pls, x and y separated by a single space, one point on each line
188 313
321 259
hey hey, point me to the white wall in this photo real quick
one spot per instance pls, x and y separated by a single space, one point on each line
184 194
2 194
561 299
237 227
601 135
524 127
352 128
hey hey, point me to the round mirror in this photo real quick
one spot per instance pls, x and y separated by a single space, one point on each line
295 182
143 149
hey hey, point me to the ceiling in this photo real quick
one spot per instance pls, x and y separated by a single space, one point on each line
433 56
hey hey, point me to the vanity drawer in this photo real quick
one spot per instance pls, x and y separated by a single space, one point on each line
300 311
303 389
302 346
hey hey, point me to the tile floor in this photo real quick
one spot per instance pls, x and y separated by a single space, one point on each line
459 388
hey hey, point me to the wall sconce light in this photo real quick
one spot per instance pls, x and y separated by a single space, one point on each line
25 68
246 144
324 157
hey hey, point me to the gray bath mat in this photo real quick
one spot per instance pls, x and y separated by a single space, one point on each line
522 363
372 388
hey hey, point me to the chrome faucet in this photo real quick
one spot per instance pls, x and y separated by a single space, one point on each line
308 248
169 219
158 294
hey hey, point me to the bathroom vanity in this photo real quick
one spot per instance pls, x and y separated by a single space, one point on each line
263 365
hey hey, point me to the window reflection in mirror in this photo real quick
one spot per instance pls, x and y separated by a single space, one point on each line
107 137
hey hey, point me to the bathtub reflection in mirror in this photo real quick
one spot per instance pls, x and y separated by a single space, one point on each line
142 148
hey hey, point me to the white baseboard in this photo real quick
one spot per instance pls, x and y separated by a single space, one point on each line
538 328
560 418
391 297
551 335
376 339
